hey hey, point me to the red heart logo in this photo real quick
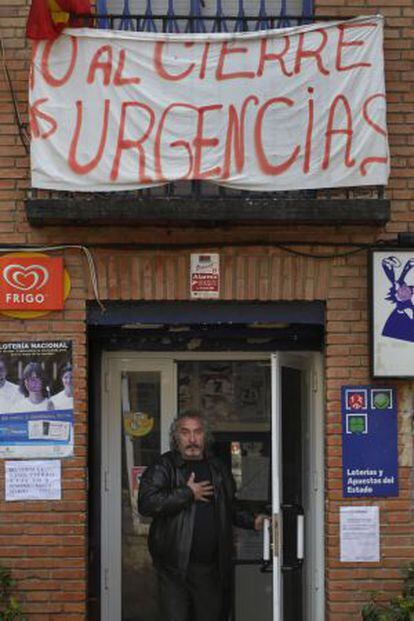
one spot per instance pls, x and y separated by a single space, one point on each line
25 278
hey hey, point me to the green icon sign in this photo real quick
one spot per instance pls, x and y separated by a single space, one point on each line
381 400
357 424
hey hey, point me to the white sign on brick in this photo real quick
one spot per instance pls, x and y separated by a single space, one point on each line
33 480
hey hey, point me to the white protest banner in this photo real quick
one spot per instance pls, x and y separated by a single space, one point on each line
284 109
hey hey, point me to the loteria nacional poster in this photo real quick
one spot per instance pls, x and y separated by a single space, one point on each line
36 399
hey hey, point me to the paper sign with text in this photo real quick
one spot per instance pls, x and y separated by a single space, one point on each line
284 109
205 276
33 480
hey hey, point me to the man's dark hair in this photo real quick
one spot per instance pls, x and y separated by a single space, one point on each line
208 436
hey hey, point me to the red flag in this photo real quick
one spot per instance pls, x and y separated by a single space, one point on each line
47 18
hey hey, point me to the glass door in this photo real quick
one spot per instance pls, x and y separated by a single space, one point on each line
234 396
288 481
141 394
256 409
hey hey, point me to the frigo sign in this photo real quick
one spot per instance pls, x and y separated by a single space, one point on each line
33 282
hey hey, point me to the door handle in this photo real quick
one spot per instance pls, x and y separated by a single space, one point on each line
300 536
294 537
267 564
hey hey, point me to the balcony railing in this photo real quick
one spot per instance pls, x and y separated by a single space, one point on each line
232 16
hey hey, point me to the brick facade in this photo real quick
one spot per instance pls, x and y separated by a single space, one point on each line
45 544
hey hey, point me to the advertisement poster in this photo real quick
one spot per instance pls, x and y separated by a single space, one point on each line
31 283
36 399
205 276
392 309
369 442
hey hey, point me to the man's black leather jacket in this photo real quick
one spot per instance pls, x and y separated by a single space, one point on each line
165 496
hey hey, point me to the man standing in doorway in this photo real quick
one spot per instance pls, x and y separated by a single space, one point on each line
190 495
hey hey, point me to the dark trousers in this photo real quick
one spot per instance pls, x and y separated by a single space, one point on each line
195 597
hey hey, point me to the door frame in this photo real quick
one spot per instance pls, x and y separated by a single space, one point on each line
113 363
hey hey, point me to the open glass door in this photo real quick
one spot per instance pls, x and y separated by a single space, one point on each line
257 412
235 397
276 485
287 555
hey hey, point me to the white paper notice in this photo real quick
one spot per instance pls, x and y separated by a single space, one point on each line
33 480
359 534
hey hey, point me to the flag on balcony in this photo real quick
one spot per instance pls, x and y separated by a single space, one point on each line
47 18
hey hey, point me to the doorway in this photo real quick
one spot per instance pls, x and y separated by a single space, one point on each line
265 412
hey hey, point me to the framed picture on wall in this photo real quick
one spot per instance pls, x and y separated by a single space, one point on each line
392 313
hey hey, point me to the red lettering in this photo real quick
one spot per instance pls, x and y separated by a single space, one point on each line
309 132
235 135
265 165
344 44
377 129
160 69
83 169
365 114
224 52
200 142
104 65
185 145
119 79
178 143
126 143
44 64
331 131
303 53
203 67
371 160
278 56
35 114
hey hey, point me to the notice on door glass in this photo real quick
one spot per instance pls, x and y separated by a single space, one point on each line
359 534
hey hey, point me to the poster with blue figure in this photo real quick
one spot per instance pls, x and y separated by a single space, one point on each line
369 442
393 313
400 323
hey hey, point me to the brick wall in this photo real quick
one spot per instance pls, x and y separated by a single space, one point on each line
46 543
